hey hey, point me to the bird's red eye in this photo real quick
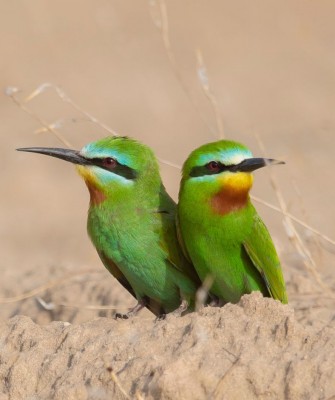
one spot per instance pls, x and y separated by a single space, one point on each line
109 162
213 166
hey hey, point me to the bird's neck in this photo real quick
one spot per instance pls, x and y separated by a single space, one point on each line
143 196
229 200
97 196
233 195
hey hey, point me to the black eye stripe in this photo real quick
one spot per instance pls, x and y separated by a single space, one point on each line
206 170
115 168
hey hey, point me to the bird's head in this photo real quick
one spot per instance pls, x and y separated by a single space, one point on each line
112 166
221 172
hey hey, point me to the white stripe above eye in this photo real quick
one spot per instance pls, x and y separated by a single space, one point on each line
230 157
89 151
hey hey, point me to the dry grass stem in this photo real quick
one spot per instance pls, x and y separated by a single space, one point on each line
217 394
48 127
115 379
138 395
169 163
43 288
306 217
293 218
66 99
51 306
203 291
163 25
204 81
291 231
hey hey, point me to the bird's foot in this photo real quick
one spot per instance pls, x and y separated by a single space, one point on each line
121 316
215 301
182 308
132 312
176 313
160 317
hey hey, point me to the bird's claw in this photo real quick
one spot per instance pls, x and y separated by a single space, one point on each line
132 312
160 317
121 316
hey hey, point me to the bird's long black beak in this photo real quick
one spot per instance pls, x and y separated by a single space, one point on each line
251 164
72 156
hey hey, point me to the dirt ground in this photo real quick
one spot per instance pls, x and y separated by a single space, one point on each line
133 67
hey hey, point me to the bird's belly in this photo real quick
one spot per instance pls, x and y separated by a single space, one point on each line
141 260
217 252
231 271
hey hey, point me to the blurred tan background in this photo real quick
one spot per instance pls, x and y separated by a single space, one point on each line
270 67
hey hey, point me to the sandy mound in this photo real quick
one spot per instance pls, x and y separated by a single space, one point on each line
253 350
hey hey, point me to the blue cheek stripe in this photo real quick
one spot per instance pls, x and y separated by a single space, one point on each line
106 177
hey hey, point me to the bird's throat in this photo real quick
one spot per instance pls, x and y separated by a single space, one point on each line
96 195
234 194
227 201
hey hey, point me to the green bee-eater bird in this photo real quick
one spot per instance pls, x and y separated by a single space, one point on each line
219 228
131 222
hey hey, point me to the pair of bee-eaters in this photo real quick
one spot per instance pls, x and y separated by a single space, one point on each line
161 252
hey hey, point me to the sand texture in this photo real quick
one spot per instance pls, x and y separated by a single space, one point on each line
253 350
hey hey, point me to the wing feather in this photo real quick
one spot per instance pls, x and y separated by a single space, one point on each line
263 255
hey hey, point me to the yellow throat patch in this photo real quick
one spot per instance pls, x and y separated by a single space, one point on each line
236 182
97 196
234 192
87 175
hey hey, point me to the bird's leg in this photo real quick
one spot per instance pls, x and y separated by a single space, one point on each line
177 313
214 301
183 307
133 311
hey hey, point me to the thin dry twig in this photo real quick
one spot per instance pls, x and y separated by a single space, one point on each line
11 92
291 231
43 288
115 379
203 291
89 116
217 393
316 295
138 395
162 23
49 306
293 218
67 99
204 81
306 217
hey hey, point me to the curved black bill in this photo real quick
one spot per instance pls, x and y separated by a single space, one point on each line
251 164
72 156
